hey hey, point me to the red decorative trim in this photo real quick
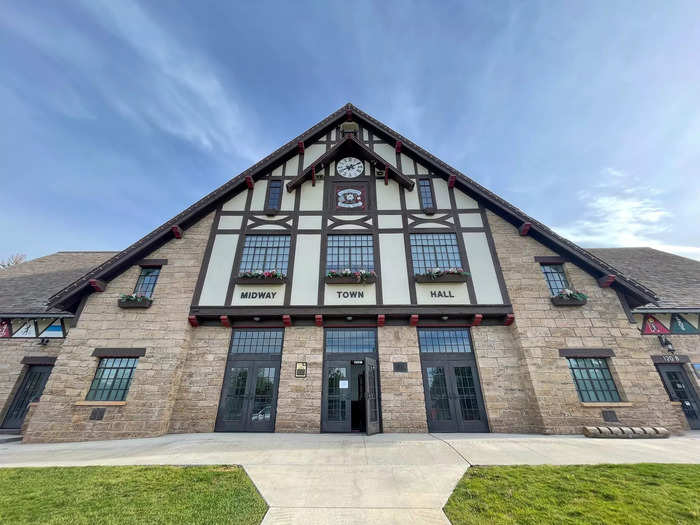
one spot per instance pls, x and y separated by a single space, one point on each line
414 320
477 319
192 319
525 228
606 281
398 146
386 175
313 175
177 232
451 181
509 319
381 319
287 320
318 319
225 321
300 145
249 182
97 285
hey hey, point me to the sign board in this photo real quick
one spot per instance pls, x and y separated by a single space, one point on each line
344 383
300 370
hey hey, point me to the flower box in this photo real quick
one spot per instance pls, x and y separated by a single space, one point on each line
129 301
261 280
368 279
563 300
444 278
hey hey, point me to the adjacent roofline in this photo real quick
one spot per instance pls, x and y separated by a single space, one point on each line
189 216
666 310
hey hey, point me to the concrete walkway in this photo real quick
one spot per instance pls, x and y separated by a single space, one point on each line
349 479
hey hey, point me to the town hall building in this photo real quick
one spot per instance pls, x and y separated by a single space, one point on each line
349 282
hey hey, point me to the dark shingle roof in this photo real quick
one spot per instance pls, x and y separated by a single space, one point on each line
675 279
25 288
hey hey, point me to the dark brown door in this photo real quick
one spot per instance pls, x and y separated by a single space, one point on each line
371 395
680 389
30 390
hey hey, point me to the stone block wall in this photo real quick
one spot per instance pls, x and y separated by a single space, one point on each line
162 330
541 329
402 397
299 399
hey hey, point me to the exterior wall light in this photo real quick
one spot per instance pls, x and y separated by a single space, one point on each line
666 343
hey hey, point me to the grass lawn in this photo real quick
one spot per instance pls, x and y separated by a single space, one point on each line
602 494
153 494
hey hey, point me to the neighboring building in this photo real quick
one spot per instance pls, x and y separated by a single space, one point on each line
393 345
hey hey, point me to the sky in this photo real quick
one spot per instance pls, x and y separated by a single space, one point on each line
119 114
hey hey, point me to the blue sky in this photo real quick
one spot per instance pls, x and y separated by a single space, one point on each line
119 114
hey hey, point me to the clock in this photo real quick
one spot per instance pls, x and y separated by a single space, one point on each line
350 167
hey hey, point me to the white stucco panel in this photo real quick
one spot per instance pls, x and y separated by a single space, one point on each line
313 152
442 193
310 222
442 293
237 203
230 222
389 221
287 198
388 195
407 165
387 152
470 220
482 269
350 294
412 199
306 266
311 196
464 201
292 167
259 191
219 270
258 295
392 253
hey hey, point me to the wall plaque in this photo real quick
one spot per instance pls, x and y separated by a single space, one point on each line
300 370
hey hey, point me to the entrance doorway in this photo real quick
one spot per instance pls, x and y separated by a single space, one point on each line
350 401
680 389
30 390
249 393
453 399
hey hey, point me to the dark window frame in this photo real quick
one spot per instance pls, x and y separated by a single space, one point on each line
328 342
270 209
554 283
423 341
241 264
416 249
103 388
594 383
146 290
251 338
420 182
370 267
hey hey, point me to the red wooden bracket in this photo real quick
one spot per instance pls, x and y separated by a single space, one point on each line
348 114
509 319
525 228
381 319
398 146
451 181
318 319
313 175
414 320
386 175
177 232
287 320
97 285
301 147
477 319
192 319
249 182
606 281
225 321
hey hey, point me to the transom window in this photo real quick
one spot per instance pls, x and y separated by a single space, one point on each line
274 195
266 253
443 340
353 340
147 282
593 379
555 276
257 341
426 194
353 252
434 250
112 379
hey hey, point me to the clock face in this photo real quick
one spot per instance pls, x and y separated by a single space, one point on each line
350 167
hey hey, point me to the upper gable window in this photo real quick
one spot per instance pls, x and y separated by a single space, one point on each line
146 282
425 192
274 196
556 278
265 253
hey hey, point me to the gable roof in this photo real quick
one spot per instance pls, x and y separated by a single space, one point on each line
26 288
115 265
676 279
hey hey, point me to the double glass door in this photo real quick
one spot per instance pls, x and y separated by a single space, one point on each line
680 389
249 395
453 397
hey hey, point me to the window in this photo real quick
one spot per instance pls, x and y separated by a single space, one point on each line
442 340
434 250
353 252
257 341
353 340
555 276
425 191
696 367
112 379
594 383
274 195
147 282
266 253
